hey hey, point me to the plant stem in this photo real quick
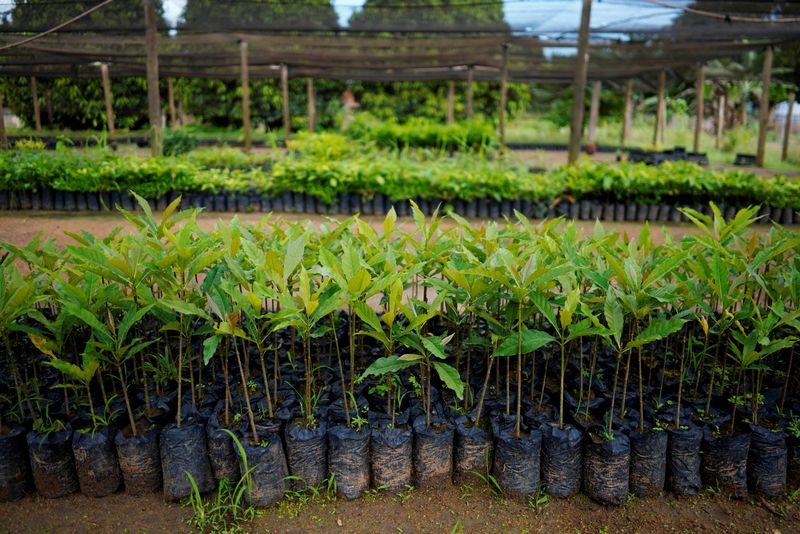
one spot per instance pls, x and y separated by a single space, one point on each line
127 400
246 393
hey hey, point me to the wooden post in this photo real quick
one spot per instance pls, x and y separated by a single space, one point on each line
594 110
699 102
153 97
285 98
312 105
246 126
503 93
659 109
107 98
48 102
37 119
451 102
787 128
626 112
720 120
581 66
763 111
3 138
173 116
470 76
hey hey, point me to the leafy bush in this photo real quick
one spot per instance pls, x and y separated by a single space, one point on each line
421 132
177 142
326 165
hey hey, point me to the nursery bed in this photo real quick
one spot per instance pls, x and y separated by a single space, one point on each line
446 510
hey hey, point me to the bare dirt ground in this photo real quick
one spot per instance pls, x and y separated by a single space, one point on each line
456 509
19 227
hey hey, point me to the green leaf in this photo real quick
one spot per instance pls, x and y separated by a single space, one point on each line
657 330
450 377
531 340
294 255
210 345
388 364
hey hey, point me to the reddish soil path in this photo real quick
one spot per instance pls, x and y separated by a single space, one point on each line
454 509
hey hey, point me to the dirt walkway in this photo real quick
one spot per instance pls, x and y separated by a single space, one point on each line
19 227
457 509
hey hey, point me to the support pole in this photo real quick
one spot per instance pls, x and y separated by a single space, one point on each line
657 132
626 112
3 137
246 126
763 111
787 128
37 118
107 98
470 76
451 102
153 97
312 105
503 94
173 116
48 102
579 83
285 98
699 101
720 120
594 110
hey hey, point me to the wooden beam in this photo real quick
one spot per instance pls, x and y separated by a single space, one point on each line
287 125
763 108
657 129
699 102
108 98
3 137
787 128
579 84
312 105
246 126
451 102
470 77
173 116
594 110
503 94
37 118
627 112
153 97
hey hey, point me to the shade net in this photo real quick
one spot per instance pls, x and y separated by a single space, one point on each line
389 40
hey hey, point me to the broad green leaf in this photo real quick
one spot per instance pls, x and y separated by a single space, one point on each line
450 377
532 340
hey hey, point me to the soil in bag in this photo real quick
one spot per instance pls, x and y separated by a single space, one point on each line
183 450
473 450
390 457
52 464
266 464
433 452
725 462
648 462
139 460
606 467
15 471
307 452
793 469
767 461
517 461
683 460
96 462
222 452
562 460
348 459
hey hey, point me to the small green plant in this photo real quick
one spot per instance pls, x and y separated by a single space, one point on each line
227 510
538 501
